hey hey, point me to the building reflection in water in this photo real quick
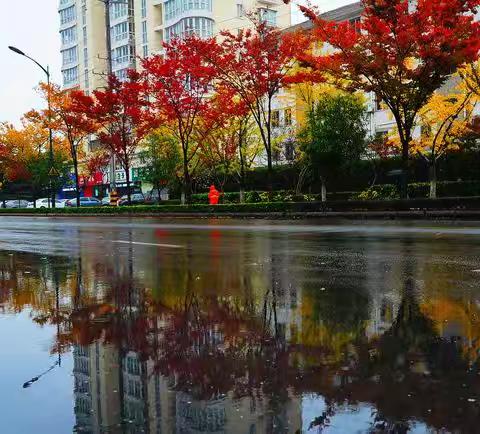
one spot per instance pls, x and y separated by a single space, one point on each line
272 336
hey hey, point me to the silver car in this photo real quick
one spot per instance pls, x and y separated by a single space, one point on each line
16 204
84 201
45 203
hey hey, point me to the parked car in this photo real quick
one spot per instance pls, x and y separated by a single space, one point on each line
152 196
17 203
84 201
61 203
135 199
106 201
45 203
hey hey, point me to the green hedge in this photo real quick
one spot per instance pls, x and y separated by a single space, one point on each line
421 190
157 209
257 197
352 206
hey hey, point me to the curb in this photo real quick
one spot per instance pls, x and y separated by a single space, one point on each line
352 215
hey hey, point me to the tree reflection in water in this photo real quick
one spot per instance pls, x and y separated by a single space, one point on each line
178 353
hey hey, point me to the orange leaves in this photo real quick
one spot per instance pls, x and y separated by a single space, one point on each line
18 146
69 123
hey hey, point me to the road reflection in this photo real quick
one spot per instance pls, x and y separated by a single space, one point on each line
265 332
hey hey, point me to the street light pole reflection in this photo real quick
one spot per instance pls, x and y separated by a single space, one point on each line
58 362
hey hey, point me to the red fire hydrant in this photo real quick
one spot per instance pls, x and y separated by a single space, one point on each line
213 196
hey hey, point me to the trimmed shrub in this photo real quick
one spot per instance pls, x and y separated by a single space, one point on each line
378 192
352 206
252 197
421 190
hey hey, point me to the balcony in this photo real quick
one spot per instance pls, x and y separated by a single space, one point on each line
63 4
271 2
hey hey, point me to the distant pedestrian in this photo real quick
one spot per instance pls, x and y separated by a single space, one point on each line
213 196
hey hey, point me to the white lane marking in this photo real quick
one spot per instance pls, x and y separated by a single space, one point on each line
171 246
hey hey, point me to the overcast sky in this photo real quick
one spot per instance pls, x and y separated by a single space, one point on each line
32 26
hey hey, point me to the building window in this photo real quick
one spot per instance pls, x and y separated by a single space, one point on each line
268 16
202 27
144 8
70 76
69 35
174 8
240 10
134 389
119 32
133 366
122 55
275 118
145 51
289 150
118 10
69 56
288 117
355 23
67 15
378 102
80 364
121 74
144 32
85 57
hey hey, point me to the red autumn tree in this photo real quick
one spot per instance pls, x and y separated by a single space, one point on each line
402 50
181 83
66 119
95 162
223 129
256 63
122 112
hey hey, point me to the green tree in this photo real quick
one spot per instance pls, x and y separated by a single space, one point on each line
162 157
39 167
334 135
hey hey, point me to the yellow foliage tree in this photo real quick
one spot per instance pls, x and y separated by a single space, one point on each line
24 153
470 75
443 122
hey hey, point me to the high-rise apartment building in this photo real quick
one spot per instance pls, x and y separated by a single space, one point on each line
83 45
138 28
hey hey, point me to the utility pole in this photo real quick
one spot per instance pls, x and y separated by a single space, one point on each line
108 39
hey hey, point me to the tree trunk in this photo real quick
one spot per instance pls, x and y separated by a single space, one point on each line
270 172
187 182
405 167
269 148
158 192
77 183
242 194
324 189
433 180
301 177
242 167
129 192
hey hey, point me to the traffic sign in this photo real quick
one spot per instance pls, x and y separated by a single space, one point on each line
53 172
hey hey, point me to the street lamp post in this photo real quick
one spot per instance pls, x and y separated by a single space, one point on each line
50 132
